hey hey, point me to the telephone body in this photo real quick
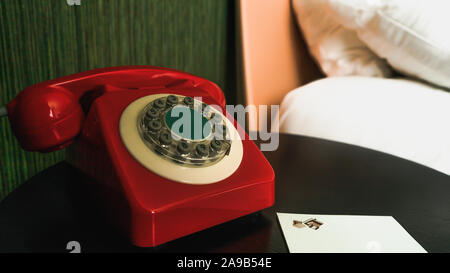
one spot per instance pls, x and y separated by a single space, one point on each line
154 187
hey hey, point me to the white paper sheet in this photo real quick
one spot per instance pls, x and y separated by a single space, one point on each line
341 233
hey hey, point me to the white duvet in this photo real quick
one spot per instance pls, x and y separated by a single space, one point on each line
405 118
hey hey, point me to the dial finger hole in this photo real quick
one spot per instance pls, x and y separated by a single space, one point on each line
172 100
165 138
152 113
154 125
188 101
202 149
183 148
216 144
159 103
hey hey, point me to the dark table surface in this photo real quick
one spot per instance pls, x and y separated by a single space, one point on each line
313 176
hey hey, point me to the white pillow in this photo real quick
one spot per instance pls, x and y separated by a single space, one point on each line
413 35
405 118
337 50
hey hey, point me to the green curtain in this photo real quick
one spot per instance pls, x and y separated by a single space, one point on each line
46 39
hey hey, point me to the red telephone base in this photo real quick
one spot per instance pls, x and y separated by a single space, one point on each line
153 210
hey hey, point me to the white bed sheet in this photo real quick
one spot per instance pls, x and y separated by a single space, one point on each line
405 118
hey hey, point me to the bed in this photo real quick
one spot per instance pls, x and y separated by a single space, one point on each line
402 117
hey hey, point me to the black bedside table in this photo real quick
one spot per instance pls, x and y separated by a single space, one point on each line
313 176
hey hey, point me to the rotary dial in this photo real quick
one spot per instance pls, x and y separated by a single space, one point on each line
184 130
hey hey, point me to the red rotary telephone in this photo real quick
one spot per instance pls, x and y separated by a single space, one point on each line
156 184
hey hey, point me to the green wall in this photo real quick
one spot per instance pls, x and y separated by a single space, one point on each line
45 39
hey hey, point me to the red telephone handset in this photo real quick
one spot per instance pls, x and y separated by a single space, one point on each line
49 115
155 182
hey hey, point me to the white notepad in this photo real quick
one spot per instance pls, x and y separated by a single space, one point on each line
340 233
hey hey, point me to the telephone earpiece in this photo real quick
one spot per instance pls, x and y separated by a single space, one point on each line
48 116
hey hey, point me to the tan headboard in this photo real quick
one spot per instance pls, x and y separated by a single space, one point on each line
274 56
